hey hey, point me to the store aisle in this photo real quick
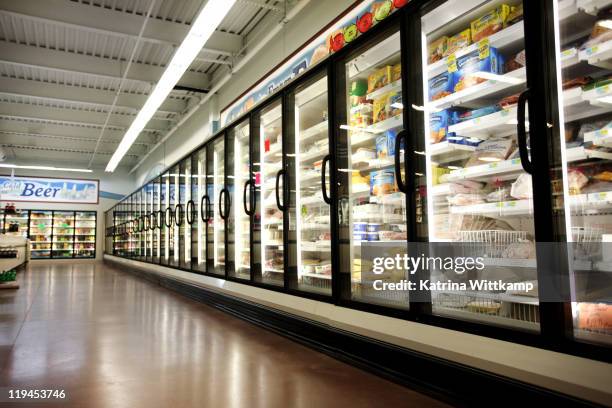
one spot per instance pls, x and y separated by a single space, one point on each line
112 340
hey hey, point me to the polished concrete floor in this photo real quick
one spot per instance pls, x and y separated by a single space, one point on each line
113 340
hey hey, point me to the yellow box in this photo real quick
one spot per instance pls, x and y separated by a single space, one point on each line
490 23
379 78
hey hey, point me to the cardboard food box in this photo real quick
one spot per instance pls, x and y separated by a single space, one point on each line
440 86
471 63
437 49
458 41
490 23
379 78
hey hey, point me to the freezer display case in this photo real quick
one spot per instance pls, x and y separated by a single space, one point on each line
312 202
584 192
269 181
479 193
85 234
158 220
63 234
184 214
218 193
239 190
16 223
199 228
41 226
372 207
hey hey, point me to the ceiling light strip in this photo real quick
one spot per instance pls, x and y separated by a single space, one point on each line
203 27
50 168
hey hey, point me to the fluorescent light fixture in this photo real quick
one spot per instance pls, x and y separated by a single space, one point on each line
202 28
50 168
359 129
499 78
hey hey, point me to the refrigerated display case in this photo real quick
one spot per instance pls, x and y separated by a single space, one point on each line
269 181
313 216
16 223
240 191
584 190
219 196
63 234
372 207
199 228
85 234
41 226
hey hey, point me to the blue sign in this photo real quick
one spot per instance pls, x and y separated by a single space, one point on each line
51 190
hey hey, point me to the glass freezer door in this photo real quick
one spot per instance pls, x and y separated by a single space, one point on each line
202 207
219 204
40 233
479 196
184 229
269 181
166 218
312 218
372 208
584 193
157 219
174 214
239 185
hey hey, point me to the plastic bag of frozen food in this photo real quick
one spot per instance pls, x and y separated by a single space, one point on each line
497 195
522 188
492 150
466 199
576 181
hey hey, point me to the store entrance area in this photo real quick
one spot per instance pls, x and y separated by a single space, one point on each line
110 339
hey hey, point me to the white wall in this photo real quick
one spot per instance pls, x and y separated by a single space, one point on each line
119 183
197 129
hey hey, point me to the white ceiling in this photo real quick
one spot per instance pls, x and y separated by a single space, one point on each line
63 61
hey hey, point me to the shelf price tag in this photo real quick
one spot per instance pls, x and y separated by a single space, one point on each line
451 63
483 49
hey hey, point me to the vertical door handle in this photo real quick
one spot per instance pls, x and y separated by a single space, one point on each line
522 132
168 217
398 163
204 207
224 207
323 179
278 203
190 212
178 218
159 219
247 211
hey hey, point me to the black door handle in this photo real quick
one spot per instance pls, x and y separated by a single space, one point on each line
278 203
522 132
190 211
159 219
221 206
204 204
168 217
178 218
323 179
398 163
244 202
224 208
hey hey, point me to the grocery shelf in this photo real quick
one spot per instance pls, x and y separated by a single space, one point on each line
508 37
503 208
392 87
579 104
486 89
387 124
601 137
313 155
497 124
599 55
316 276
592 6
484 170
306 135
445 152
591 201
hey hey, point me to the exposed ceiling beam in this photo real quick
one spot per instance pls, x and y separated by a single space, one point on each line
68 129
66 115
83 95
57 149
34 119
61 103
98 18
69 138
67 61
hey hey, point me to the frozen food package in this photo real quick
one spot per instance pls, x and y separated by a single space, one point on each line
603 176
436 49
380 108
595 316
441 86
516 14
472 63
522 188
517 62
379 78
438 126
490 23
394 104
498 195
458 42
396 72
590 127
466 199
492 150
382 182
459 117
600 33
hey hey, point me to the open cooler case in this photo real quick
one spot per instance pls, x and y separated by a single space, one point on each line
479 194
41 226
370 161
584 193
85 234
63 234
